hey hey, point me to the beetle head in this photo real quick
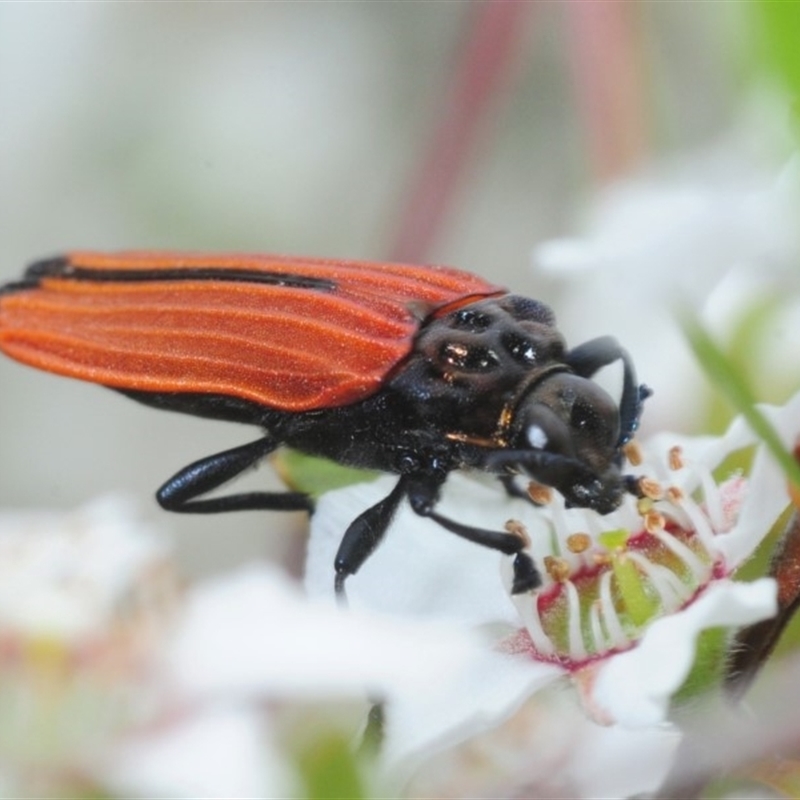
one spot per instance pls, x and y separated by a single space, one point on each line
570 431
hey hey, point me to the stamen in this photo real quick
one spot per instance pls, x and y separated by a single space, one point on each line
577 646
598 637
650 488
675 458
699 523
579 542
540 494
533 624
560 526
601 559
674 494
664 581
557 568
653 521
712 500
633 453
613 626
696 566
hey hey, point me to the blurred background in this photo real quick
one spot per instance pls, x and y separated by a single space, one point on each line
467 133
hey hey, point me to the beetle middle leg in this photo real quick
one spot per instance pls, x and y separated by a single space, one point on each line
179 492
364 534
423 495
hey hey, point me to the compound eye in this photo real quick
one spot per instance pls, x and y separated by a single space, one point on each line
589 423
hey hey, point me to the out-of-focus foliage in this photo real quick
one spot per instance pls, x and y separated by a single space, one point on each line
778 50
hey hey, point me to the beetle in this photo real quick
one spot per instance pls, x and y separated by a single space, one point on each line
407 369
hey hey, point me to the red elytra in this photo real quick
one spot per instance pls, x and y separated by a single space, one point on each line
294 334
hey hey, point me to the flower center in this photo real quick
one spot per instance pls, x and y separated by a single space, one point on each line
648 559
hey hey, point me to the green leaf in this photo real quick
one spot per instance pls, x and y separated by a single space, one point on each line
315 476
778 778
330 770
724 375
779 50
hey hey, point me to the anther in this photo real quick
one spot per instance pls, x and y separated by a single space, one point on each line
675 457
650 488
653 521
557 568
674 494
579 542
540 494
633 453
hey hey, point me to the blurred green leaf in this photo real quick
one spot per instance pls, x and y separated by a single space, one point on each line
778 778
315 476
329 769
779 22
747 344
727 378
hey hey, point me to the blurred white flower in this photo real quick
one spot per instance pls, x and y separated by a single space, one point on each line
549 748
623 598
112 678
86 599
711 231
249 656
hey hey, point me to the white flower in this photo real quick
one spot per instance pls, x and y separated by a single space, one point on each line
112 678
85 600
250 655
623 598
714 230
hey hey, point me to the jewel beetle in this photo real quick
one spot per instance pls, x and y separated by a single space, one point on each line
412 370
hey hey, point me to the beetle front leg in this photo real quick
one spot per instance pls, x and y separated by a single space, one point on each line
423 496
590 357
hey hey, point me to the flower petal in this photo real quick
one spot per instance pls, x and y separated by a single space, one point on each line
477 696
768 495
254 634
420 569
221 752
634 688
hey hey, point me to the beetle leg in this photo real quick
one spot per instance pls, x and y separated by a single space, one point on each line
592 356
364 534
423 496
586 359
180 491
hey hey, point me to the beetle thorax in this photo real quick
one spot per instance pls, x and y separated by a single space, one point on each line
470 364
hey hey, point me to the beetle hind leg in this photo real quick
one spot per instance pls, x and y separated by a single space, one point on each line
179 493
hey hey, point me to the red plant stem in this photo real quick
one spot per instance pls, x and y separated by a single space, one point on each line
604 53
483 68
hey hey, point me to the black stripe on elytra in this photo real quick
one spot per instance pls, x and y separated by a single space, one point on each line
61 268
